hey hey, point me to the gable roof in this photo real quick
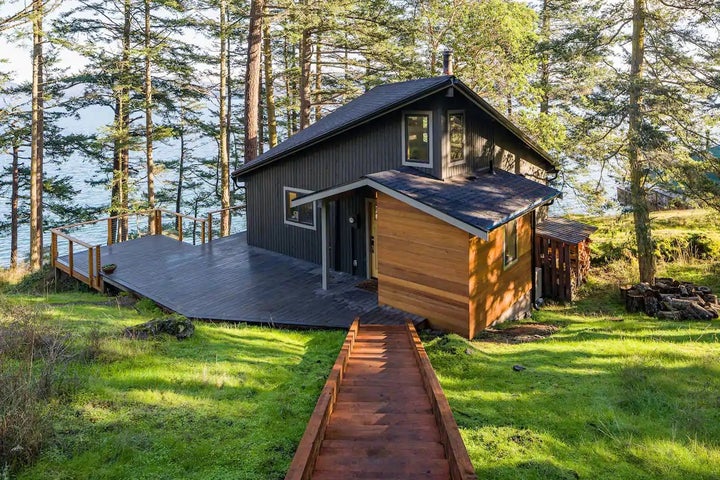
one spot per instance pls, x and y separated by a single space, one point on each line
374 103
477 205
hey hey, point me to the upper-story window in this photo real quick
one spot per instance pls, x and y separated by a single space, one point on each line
456 137
417 139
302 216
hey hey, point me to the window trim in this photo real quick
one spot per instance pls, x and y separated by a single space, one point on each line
285 209
449 146
509 264
431 159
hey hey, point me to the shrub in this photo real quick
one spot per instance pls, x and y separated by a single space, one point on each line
32 360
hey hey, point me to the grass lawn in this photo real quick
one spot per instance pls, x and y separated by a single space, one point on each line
610 396
231 402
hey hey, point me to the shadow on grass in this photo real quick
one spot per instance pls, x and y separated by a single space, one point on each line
598 409
235 408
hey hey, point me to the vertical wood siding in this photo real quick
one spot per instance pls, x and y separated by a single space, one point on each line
494 289
422 265
367 148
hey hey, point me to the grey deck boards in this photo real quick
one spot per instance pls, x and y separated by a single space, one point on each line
228 280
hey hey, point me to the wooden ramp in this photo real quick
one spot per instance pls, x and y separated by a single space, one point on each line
382 415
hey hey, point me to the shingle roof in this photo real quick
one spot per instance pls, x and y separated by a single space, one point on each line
378 101
381 99
565 230
485 201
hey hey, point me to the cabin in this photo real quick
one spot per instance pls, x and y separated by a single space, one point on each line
421 185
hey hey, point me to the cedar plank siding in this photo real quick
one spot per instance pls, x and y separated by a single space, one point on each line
494 289
371 147
422 265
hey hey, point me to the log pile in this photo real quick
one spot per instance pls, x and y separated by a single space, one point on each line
670 299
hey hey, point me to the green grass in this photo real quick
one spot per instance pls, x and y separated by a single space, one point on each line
611 395
231 402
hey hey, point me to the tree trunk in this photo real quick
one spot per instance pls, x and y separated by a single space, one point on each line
14 201
318 80
269 87
305 63
181 165
641 210
223 147
37 143
252 79
545 59
148 118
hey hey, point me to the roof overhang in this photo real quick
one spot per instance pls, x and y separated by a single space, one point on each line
449 219
366 182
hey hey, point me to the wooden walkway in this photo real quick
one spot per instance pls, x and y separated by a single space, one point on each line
382 415
228 280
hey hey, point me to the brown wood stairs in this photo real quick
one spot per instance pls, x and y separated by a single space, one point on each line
382 415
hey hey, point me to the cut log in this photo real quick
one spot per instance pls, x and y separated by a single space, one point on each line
635 302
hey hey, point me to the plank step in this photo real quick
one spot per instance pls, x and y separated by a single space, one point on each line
388 466
418 406
383 432
370 448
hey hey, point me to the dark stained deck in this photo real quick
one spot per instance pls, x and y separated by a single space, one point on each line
228 280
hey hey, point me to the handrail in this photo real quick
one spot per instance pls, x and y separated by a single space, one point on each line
461 467
93 277
307 452
213 212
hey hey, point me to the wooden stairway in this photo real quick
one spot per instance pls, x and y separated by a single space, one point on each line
381 415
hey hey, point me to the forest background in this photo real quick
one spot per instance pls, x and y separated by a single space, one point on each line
112 106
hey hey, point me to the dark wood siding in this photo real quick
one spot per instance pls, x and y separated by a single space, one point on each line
372 147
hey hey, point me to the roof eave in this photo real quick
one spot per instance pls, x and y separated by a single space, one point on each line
245 169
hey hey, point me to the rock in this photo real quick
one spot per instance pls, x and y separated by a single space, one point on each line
469 351
181 328
519 368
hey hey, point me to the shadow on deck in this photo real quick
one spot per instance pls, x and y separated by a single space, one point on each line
228 280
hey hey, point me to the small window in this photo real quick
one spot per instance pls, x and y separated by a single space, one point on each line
417 138
456 137
302 216
511 243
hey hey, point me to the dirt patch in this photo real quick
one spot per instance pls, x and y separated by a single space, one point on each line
527 332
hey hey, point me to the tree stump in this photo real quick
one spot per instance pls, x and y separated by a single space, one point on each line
635 302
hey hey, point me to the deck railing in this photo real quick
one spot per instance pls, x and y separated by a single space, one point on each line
211 215
117 233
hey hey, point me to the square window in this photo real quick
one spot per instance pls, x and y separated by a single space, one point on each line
302 216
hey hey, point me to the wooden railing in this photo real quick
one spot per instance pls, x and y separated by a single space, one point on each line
155 226
303 462
460 466
210 216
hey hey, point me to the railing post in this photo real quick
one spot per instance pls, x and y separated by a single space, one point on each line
91 275
158 222
202 233
209 220
98 266
71 260
53 248
180 229
110 232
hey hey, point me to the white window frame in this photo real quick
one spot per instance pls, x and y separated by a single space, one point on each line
285 207
506 264
431 155
465 146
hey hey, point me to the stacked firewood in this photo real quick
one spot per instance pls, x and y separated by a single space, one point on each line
671 300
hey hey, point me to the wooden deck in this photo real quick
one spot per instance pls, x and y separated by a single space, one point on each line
382 415
228 280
